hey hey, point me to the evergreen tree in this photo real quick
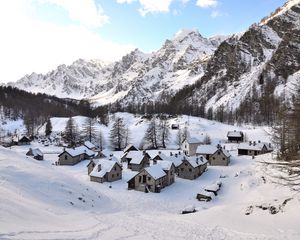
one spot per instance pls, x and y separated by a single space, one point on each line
179 138
71 133
207 139
117 134
101 140
48 129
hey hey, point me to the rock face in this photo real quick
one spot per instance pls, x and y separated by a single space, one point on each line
215 72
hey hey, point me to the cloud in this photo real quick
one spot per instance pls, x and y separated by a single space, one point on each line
28 44
86 12
152 6
206 3
217 13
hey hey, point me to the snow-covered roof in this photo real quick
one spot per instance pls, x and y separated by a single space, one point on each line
165 165
105 167
161 155
197 161
210 149
113 158
36 152
80 150
176 160
213 187
137 158
89 145
207 194
206 149
193 140
130 146
155 171
255 146
106 152
235 134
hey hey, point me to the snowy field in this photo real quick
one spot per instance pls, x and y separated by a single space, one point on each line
42 201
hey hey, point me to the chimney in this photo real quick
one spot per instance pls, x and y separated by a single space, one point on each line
258 141
179 153
159 152
176 155
144 152
270 145
171 154
99 167
254 143
250 143
111 155
154 162
201 158
197 160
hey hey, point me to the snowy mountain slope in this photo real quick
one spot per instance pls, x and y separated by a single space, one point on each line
137 76
43 201
266 54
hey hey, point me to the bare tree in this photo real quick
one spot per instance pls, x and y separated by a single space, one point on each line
164 132
179 138
151 135
207 139
89 129
71 134
117 134
101 140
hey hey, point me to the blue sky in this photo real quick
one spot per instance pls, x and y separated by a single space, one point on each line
38 35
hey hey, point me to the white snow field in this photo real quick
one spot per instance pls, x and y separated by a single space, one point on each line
39 200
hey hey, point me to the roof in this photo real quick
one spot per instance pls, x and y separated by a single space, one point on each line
106 166
79 150
207 194
235 134
136 157
256 146
36 152
176 160
162 156
89 145
213 187
113 158
193 140
197 161
130 146
106 152
165 165
210 149
155 171
206 149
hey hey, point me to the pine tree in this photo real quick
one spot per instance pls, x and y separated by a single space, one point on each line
101 140
89 129
117 134
151 135
127 136
185 133
48 129
71 133
207 139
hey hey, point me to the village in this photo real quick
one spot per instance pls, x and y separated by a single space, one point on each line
152 170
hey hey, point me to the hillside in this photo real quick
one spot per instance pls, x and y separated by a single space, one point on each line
44 201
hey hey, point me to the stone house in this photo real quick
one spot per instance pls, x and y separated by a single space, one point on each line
106 171
192 167
138 160
24 140
72 156
189 146
169 169
35 153
216 155
254 148
150 179
235 136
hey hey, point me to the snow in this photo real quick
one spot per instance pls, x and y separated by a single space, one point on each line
206 149
155 171
37 152
257 146
136 157
80 150
197 161
42 201
235 134
89 145
165 165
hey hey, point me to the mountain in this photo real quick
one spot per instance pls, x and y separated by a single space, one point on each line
136 77
228 72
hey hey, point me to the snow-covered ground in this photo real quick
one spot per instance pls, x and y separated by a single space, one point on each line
39 200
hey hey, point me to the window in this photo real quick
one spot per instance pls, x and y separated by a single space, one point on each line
171 173
66 157
190 169
219 152
185 164
182 169
149 178
140 178
117 174
214 158
113 175
115 168
224 159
